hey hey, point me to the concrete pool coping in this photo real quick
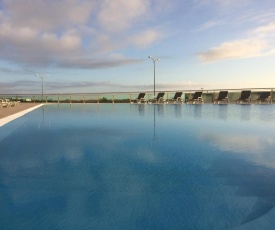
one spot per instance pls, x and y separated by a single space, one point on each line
11 113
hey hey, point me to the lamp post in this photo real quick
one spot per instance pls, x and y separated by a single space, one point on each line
42 81
154 61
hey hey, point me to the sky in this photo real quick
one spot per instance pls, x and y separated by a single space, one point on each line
90 46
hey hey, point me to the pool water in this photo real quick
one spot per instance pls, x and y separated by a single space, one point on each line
127 166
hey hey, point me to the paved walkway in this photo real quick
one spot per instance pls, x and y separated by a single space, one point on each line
5 112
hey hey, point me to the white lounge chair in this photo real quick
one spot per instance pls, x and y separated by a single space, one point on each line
5 103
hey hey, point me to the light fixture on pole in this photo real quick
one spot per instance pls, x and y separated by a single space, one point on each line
42 81
154 61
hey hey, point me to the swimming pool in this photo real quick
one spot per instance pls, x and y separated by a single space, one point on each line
127 166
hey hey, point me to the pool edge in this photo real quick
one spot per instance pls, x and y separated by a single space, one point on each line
12 117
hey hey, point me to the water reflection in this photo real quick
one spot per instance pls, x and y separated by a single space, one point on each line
197 111
41 123
251 181
141 109
268 114
253 147
155 138
96 172
223 110
248 163
160 109
43 113
178 110
73 178
245 112
154 122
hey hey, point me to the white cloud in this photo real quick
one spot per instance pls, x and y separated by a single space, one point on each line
146 38
223 4
236 49
265 30
70 41
75 33
237 143
252 147
121 14
210 24
8 33
259 42
48 15
28 46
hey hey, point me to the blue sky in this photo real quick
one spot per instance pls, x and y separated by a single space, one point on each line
103 46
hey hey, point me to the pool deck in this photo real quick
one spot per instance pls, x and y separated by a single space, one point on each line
8 114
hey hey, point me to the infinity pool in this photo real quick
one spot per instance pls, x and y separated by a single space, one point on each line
122 166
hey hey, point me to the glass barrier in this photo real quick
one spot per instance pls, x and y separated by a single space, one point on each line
208 96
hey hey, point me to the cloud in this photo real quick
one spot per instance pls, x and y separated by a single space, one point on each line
223 4
77 85
246 48
18 71
235 49
97 86
210 24
18 86
27 46
146 38
259 42
94 63
249 144
119 15
76 33
265 30
252 147
50 15
30 86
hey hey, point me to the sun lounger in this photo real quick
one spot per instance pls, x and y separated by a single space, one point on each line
245 97
176 99
5 103
196 99
140 98
158 99
222 98
264 97
14 103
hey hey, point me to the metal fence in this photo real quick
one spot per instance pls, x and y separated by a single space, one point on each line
128 97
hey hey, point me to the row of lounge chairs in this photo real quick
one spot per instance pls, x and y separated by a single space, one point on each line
245 98
159 99
8 103
222 98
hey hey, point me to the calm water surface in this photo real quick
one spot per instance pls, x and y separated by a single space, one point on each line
127 166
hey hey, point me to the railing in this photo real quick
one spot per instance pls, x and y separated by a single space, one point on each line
127 97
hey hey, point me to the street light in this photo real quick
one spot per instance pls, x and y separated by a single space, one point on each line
154 61
42 80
